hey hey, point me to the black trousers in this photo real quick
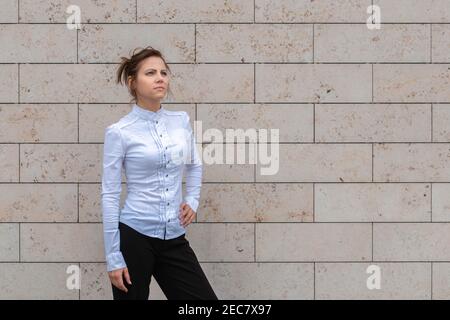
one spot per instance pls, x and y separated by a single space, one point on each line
172 263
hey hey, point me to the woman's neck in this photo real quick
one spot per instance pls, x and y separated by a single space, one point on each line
149 105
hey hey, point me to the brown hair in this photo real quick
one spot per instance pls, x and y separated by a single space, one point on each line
130 67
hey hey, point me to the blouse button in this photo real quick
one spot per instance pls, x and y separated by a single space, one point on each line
167 189
167 175
167 203
160 135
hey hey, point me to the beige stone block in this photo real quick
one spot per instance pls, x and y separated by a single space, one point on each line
39 123
195 11
441 202
293 122
416 162
358 43
254 43
9 242
371 202
441 42
45 11
9 159
311 11
313 242
441 123
441 281
411 83
372 122
61 162
10 11
262 203
70 83
37 43
9 83
411 241
220 162
38 202
265 281
417 11
210 83
109 42
226 173
222 241
313 83
37 281
316 163
61 242
349 281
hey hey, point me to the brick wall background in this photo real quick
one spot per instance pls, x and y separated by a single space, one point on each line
364 118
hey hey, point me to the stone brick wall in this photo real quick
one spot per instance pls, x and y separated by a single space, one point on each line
364 155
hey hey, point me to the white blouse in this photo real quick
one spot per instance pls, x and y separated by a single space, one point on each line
153 148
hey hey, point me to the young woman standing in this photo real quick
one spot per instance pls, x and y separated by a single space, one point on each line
154 146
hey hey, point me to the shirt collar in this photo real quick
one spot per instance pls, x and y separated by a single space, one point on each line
147 114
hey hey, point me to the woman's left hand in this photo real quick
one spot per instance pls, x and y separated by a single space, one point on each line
187 215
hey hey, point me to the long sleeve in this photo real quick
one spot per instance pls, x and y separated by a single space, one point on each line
193 170
113 155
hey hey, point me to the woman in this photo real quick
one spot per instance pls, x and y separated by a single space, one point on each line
154 145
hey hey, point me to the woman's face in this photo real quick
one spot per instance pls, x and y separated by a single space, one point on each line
152 79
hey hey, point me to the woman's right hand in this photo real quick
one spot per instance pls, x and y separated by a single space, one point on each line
116 277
